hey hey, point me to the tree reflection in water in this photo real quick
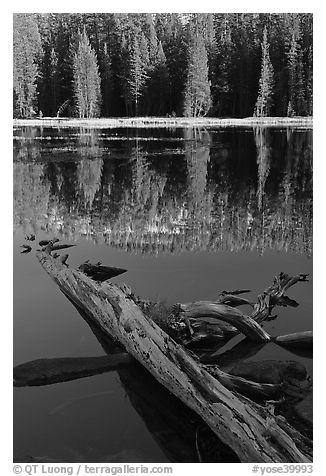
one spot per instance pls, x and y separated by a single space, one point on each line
167 191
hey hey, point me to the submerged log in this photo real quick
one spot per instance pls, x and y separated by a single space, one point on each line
304 409
49 371
297 339
250 430
270 371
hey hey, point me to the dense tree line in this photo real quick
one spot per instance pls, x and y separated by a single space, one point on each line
116 64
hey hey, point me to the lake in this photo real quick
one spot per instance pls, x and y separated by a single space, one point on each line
189 213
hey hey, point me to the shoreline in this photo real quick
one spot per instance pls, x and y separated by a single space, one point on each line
167 122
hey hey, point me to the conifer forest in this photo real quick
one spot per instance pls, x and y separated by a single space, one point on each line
165 64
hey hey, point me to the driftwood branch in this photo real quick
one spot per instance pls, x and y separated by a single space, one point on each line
228 314
230 321
250 430
274 294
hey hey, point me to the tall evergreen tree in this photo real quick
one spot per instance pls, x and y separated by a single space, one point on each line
171 32
266 81
53 74
296 104
86 79
158 85
64 36
222 66
26 54
107 82
149 30
197 94
137 74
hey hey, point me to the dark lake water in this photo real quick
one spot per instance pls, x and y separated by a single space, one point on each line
189 213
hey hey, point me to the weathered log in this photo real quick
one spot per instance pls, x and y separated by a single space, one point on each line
250 430
48 371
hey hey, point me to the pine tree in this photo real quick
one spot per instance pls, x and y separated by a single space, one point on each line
266 81
163 80
65 81
143 49
86 79
53 78
197 94
222 67
137 74
297 103
170 30
151 36
26 53
107 83
158 87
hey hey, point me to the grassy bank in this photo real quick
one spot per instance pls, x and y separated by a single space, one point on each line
301 122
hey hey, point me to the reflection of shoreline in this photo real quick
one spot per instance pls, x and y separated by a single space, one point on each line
154 238
166 122
245 193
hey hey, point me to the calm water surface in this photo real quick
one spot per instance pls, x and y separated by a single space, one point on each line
189 213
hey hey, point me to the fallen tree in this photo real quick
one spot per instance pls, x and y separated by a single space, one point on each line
250 430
